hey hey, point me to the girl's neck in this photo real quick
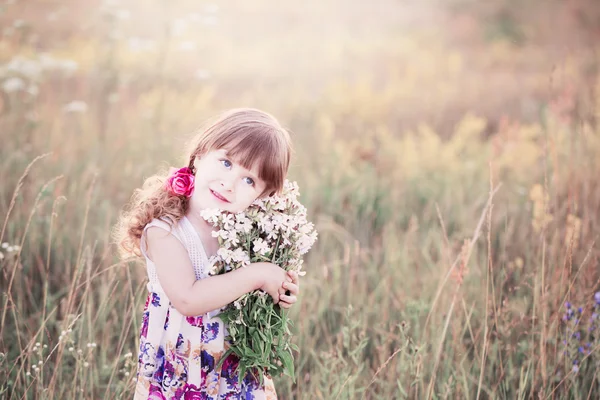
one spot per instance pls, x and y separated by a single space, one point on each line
204 230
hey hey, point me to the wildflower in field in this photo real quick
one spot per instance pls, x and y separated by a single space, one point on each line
12 85
274 229
75 107
578 341
201 74
540 199
8 249
24 67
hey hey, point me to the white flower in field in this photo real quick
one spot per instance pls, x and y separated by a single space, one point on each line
260 203
299 269
178 27
53 16
12 85
69 66
260 246
49 63
243 223
113 97
213 269
211 215
228 221
211 8
123 14
77 106
28 68
5 245
202 74
240 256
220 233
33 90
233 238
225 254
1 255
305 242
306 228
136 44
210 20
272 235
187 45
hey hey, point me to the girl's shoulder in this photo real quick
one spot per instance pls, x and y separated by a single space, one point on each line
163 223
166 224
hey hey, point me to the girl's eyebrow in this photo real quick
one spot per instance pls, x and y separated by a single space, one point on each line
250 174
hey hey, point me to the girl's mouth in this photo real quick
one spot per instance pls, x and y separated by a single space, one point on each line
218 196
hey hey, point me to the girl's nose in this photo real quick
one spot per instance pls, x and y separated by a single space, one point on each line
226 184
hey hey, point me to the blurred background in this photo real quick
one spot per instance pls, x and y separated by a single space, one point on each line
447 150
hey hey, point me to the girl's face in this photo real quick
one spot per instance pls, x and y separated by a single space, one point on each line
224 184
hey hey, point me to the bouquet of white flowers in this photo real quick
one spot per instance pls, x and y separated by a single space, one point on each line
273 229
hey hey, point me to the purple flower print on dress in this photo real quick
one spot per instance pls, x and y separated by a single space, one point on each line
167 319
146 360
179 342
155 300
211 332
207 361
182 348
175 377
194 321
251 382
169 378
228 368
156 393
144 329
191 392
160 362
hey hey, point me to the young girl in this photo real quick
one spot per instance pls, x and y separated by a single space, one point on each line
242 156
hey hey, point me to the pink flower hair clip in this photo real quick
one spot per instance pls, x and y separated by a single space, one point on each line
180 182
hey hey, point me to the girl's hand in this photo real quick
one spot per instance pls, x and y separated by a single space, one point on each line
289 290
270 278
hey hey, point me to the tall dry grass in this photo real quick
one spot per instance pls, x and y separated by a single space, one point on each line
444 260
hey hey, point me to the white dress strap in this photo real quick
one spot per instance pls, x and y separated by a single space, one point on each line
153 282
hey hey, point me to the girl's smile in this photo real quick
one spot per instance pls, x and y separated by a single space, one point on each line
219 196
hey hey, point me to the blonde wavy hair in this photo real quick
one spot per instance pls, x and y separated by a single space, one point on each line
251 137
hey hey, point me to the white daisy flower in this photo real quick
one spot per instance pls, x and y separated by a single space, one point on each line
260 246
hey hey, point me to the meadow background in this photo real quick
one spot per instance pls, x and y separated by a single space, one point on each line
448 152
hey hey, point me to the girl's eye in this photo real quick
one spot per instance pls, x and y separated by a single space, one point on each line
249 181
226 163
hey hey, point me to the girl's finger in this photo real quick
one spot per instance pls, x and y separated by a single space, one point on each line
287 299
294 276
293 289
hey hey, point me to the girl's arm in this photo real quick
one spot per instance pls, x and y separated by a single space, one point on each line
193 297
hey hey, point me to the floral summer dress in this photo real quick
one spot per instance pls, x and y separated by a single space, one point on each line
178 355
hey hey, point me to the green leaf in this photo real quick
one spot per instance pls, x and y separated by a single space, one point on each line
288 364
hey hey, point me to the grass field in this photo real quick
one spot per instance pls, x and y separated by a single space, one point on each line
454 184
